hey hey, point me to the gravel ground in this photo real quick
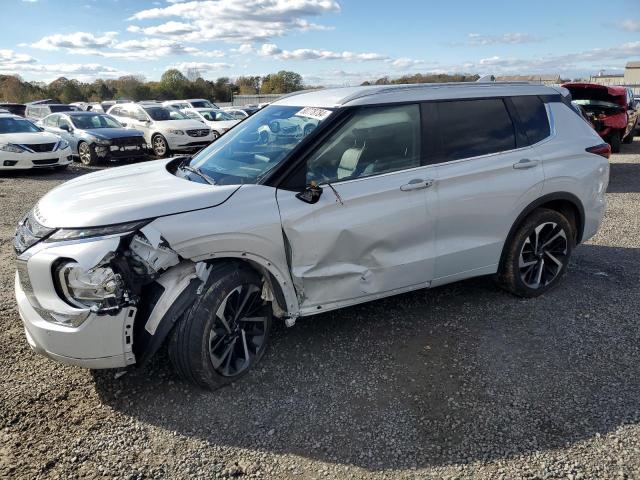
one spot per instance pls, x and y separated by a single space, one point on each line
462 381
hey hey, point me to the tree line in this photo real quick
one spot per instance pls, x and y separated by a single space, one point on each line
173 84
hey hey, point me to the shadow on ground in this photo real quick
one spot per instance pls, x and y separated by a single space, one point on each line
457 374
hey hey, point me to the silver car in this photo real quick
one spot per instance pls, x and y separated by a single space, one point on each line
397 188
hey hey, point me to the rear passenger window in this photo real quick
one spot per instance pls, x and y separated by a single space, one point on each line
533 116
470 128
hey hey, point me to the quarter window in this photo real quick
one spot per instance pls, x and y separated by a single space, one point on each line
533 117
374 141
470 128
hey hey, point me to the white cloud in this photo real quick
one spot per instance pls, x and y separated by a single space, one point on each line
13 58
76 41
77 70
202 66
514 38
272 50
233 21
631 25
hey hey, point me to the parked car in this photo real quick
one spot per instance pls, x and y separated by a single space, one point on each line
190 103
39 111
96 137
218 120
240 113
15 108
24 145
165 129
609 109
398 188
95 107
295 126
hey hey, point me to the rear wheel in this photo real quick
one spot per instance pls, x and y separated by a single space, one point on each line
226 331
538 254
615 141
87 154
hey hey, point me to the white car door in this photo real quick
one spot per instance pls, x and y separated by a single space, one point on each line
139 120
371 232
486 175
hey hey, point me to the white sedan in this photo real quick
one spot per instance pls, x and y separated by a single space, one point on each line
218 120
24 145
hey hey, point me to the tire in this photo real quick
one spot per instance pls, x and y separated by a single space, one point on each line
210 353
529 270
215 134
159 146
87 154
615 141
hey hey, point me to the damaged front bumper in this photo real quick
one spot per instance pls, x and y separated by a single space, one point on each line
79 299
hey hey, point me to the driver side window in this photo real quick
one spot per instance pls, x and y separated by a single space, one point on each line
374 141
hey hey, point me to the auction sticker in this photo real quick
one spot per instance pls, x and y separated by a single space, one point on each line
314 112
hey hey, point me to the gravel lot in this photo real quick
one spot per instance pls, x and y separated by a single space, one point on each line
462 381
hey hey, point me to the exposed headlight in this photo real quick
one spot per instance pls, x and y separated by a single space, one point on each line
62 144
100 141
12 148
29 232
95 288
176 132
80 233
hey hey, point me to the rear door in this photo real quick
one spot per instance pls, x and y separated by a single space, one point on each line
371 232
486 174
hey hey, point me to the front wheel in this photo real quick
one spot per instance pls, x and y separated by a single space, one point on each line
538 254
215 134
226 331
87 154
615 141
160 146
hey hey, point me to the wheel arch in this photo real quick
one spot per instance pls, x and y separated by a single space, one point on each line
565 203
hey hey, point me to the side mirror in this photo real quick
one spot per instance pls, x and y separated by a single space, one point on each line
311 194
123 124
66 128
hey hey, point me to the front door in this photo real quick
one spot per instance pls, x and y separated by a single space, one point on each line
371 232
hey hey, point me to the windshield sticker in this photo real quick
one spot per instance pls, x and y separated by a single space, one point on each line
313 112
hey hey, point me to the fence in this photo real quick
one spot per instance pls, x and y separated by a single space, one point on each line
254 99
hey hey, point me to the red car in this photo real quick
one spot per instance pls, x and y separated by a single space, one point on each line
610 110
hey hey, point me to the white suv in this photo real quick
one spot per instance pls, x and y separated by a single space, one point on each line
165 129
397 188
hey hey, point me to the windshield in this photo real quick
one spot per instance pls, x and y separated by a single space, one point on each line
17 125
63 108
202 104
252 148
87 122
216 115
162 113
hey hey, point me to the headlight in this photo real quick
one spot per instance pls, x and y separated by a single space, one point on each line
176 132
100 141
10 147
62 144
29 232
95 288
80 233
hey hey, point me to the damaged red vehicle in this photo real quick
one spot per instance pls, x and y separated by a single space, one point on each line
610 109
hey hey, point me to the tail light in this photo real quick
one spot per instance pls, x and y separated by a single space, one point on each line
603 149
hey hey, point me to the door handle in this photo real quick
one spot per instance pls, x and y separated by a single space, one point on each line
525 163
416 184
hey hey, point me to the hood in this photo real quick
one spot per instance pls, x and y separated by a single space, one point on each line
109 133
223 123
29 138
125 194
178 124
594 91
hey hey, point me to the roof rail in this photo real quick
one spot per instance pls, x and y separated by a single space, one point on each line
376 89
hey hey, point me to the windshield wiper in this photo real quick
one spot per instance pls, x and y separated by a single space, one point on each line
198 172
